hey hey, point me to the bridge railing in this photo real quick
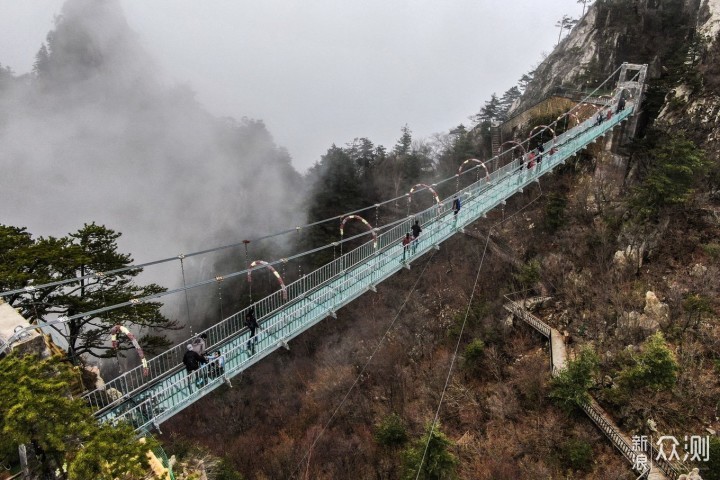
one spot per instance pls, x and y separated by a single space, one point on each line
126 385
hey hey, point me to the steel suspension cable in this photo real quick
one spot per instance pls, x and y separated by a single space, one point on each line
462 329
372 355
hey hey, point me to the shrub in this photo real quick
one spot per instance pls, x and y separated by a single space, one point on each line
655 367
391 431
711 469
555 211
576 454
438 463
570 387
712 250
474 355
528 275
672 173
225 471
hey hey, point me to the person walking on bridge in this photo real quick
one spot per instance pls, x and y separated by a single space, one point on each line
455 208
217 365
416 229
621 105
192 361
406 244
200 344
252 324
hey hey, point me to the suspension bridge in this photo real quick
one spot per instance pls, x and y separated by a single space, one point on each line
149 394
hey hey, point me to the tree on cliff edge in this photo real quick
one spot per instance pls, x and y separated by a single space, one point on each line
92 250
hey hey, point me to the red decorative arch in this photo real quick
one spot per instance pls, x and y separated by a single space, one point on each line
432 190
568 114
482 164
593 106
275 272
113 337
542 129
517 144
365 222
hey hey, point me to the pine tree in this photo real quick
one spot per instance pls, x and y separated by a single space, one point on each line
36 409
335 188
506 101
674 168
489 112
91 250
571 385
42 62
433 451
584 4
655 367
525 80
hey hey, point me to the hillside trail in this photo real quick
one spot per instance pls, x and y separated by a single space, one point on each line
558 355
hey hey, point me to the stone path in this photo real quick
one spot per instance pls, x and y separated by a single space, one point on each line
558 354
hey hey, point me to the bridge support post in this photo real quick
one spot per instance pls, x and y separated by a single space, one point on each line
372 288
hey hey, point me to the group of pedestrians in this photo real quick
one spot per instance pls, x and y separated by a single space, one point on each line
410 244
200 367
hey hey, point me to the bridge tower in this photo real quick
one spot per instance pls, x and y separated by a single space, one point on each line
632 88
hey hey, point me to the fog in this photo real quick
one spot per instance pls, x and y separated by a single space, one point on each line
324 71
96 134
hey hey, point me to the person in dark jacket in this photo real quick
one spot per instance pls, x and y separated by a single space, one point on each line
192 361
456 209
599 119
621 105
252 324
416 229
456 206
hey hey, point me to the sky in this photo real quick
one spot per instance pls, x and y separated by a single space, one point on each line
323 72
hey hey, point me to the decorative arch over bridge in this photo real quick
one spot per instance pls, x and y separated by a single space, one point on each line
275 272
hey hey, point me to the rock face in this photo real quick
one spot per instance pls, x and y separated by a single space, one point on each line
652 32
655 309
654 314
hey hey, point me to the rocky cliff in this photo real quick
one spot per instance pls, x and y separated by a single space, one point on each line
677 39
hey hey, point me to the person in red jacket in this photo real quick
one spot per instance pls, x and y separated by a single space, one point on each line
406 245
